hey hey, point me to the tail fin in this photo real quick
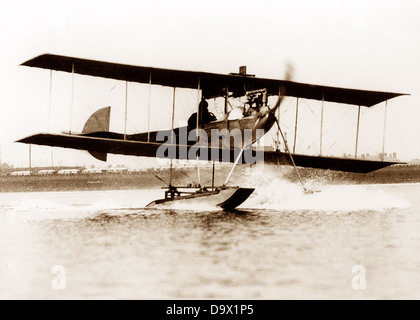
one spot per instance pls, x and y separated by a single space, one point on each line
98 121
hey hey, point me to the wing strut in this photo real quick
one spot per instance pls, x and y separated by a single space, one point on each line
234 165
322 126
72 97
148 106
172 138
357 133
197 127
383 142
49 114
296 124
125 110
293 161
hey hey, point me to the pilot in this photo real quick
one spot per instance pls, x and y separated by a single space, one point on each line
205 115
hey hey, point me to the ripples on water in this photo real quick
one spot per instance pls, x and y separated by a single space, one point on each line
280 244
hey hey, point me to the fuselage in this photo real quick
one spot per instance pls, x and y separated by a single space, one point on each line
221 133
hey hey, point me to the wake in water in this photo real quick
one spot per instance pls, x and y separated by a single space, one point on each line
270 194
69 205
191 206
279 194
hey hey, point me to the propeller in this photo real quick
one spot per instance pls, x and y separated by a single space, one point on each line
282 89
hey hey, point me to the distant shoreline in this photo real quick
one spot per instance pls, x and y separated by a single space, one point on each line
182 176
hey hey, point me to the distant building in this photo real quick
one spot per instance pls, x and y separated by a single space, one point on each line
68 171
414 162
380 157
20 173
46 172
117 170
91 171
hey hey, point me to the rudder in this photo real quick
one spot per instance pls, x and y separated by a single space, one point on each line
98 122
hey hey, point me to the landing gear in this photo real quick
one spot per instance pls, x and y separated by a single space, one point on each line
172 192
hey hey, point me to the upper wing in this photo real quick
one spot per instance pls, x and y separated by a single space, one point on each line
212 84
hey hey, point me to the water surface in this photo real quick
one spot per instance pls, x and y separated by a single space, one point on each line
280 244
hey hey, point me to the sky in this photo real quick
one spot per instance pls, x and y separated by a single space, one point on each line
372 45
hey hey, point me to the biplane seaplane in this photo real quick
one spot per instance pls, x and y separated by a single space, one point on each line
206 138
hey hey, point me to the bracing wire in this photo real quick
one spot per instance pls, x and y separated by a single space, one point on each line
326 129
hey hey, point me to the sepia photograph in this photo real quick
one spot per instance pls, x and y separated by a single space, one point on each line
201 152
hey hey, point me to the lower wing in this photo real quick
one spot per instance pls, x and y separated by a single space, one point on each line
100 147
